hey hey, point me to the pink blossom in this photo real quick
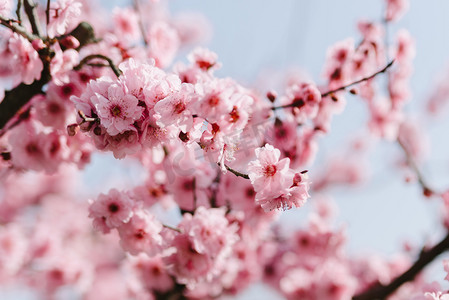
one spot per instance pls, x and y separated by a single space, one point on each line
63 13
126 24
27 63
117 109
305 99
395 9
210 231
152 272
269 175
62 63
188 265
36 149
204 59
6 7
176 109
446 268
336 68
141 234
111 210
385 120
295 196
163 43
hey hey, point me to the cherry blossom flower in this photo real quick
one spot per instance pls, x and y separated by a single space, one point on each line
26 60
63 13
117 109
111 210
269 175
141 234
164 43
126 24
395 9
6 7
294 196
204 59
176 109
152 272
210 231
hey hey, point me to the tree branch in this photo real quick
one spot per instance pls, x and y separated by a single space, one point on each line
236 173
30 10
16 98
329 93
11 24
47 13
412 164
141 27
85 60
18 11
426 257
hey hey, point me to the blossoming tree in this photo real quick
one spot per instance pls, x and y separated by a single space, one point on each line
226 158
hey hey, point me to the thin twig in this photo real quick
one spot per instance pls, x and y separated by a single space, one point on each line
86 118
47 13
426 257
11 24
142 28
30 9
19 11
412 164
85 60
236 173
172 228
359 81
329 93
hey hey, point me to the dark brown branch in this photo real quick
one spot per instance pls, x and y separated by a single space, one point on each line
236 173
16 98
47 13
15 27
426 257
30 10
342 88
85 60
19 11
427 191
359 81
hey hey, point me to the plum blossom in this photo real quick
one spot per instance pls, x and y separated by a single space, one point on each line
269 175
111 210
295 196
62 15
204 59
176 109
126 25
117 109
26 61
152 272
6 7
141 234
210 231
164 43
395 9
203 247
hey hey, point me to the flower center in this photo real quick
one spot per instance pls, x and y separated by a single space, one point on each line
140 234
270 170
113 207
214 100
116 111
180 107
